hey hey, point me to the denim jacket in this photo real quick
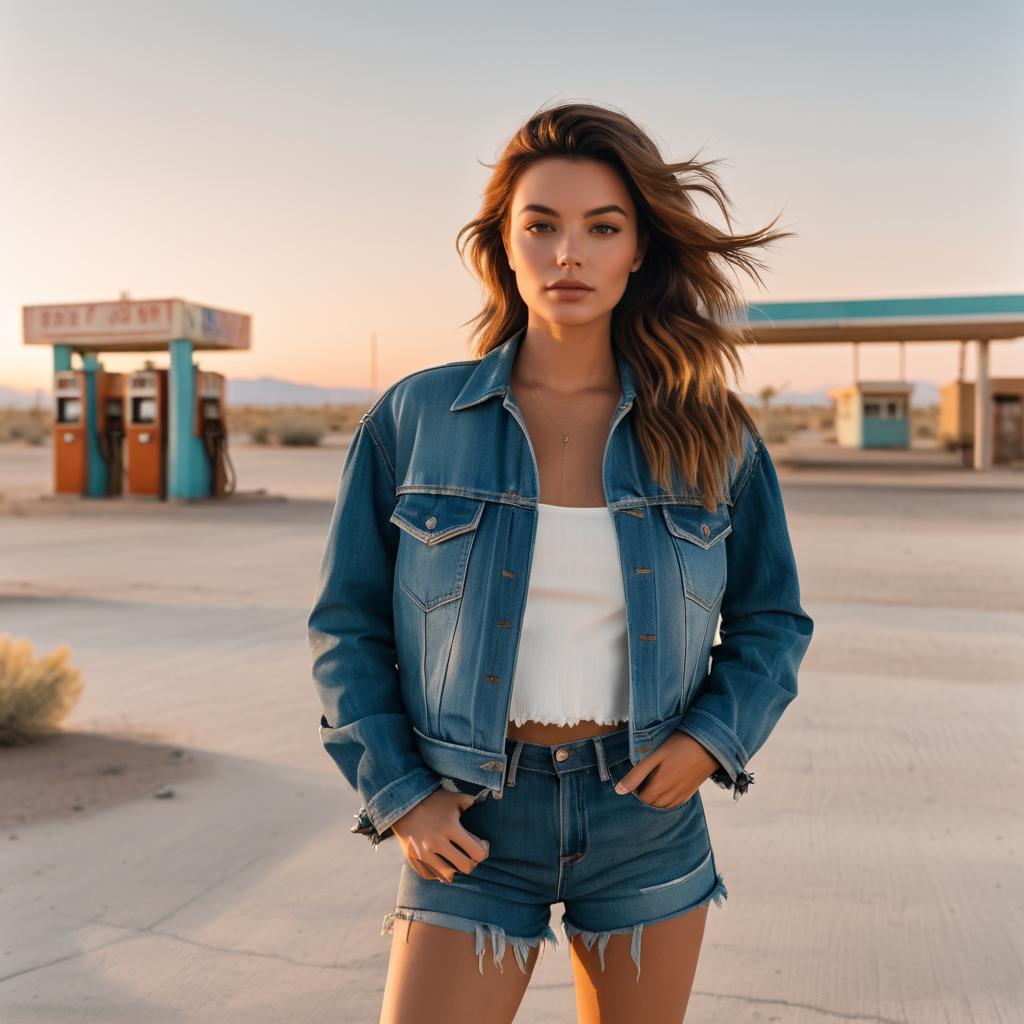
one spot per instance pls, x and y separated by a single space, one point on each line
419 600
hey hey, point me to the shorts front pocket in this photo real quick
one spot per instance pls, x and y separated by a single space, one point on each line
619 771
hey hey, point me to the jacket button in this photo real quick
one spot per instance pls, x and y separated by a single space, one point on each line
491 766
707 530
562 755
432 522
644 749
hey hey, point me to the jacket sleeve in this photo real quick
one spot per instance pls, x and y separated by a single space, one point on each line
364 726
764 631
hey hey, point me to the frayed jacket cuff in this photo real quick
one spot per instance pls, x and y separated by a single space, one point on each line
375 819
724 745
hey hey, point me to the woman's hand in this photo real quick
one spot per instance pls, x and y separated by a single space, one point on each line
673 773
432 838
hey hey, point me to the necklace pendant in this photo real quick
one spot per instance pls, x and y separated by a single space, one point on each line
565 440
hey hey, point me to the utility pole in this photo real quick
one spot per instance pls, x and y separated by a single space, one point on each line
373 365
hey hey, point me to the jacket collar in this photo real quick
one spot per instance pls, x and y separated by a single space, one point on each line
492 373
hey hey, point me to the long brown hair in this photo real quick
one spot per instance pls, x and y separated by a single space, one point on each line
680 321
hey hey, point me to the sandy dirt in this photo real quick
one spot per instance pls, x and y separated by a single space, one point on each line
79 773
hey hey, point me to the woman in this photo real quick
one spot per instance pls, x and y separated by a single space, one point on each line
523 577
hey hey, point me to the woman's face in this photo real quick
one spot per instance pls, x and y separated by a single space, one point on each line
571 219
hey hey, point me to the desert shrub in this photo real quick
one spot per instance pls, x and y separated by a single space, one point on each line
36 694
32 427
260 434
299 428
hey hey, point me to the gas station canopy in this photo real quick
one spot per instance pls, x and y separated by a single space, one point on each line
171 418
942 318
134 326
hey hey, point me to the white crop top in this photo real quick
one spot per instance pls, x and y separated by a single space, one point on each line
573 661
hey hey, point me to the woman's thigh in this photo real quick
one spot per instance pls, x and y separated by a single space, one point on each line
434 975
671 950
465 951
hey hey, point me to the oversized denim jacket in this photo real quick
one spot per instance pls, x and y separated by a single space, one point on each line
419 601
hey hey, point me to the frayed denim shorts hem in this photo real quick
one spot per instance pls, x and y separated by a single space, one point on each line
560 834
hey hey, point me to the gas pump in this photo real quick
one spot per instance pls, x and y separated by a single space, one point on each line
70 465
146 403
87 426
110 428
211 429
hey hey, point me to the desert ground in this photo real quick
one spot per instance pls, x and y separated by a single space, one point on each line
181 851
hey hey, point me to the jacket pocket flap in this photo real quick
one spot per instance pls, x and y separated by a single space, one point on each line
696 524
432 518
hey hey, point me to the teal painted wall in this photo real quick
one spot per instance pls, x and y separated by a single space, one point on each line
885 433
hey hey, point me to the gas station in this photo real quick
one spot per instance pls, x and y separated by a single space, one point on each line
156 432
876 413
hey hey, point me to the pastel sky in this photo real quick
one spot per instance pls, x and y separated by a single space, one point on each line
310 163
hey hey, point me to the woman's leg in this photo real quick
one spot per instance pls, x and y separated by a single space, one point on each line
434 978
670 952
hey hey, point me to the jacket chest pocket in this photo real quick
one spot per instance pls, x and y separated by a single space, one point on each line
698 536
437 536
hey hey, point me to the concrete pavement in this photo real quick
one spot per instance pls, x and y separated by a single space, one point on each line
874 869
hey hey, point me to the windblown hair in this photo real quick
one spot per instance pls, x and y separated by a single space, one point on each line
680 321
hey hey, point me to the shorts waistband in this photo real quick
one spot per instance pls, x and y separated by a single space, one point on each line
563 758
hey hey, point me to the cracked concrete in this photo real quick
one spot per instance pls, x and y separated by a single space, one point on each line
874 876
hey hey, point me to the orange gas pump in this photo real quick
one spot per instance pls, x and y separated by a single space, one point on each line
211 428
70 465
146 404
110 428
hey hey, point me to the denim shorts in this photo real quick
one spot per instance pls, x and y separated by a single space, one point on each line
561 834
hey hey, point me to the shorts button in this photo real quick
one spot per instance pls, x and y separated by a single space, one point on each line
562 755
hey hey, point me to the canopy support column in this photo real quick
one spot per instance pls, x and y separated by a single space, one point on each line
982 409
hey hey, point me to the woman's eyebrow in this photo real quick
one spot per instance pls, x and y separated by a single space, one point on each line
610 208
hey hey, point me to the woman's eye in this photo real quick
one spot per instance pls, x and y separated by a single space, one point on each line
613 230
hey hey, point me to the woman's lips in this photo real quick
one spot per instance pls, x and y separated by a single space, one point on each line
570 293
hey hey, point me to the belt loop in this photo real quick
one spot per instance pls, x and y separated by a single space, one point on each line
602 761
513 765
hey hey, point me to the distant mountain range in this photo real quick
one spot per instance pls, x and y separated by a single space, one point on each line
274 391
271 391
925 393
13 398
262 391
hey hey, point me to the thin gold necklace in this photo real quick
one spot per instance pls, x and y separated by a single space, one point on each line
564 436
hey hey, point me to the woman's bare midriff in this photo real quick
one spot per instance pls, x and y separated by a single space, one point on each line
550 735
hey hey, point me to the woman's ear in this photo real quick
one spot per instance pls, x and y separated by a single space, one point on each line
641 251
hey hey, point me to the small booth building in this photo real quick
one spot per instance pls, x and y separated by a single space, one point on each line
1006 417
873 414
